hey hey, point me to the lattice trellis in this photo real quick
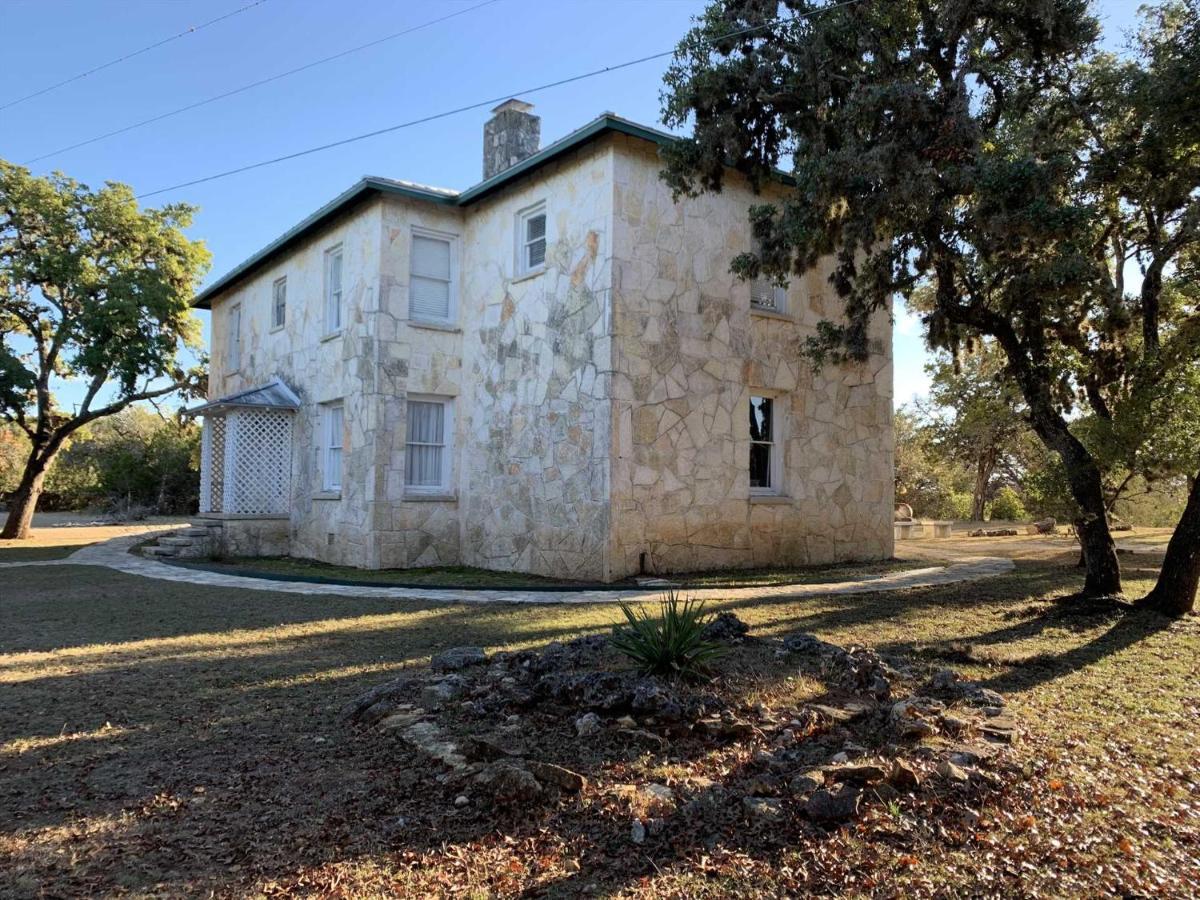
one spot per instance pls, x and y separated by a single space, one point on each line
212 465
258 462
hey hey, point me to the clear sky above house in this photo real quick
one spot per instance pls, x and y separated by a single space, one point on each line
495 50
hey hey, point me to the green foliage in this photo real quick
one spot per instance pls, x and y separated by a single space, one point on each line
671 643
1007 506
94 288
134 460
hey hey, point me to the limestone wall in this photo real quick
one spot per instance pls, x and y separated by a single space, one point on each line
320 368
688 355
526 365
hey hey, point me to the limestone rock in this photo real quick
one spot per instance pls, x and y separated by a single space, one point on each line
726 628
903 775
509 783
763 807
445 689
808 781
863 774
834 806
458 658
563 779
587 725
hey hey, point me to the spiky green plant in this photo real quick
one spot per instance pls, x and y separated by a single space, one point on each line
671 643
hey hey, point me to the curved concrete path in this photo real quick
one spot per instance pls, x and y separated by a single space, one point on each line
114 554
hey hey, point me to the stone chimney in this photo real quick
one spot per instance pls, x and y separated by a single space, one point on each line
509 136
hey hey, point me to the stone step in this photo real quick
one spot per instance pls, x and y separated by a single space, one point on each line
160 551
204 523
175 541
194 532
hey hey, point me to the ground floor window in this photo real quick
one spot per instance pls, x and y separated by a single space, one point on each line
427 446
765 456
332 429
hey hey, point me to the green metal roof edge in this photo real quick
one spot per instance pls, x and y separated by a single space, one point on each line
361 188
600 125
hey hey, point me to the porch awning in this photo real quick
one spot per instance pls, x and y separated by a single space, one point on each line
272 395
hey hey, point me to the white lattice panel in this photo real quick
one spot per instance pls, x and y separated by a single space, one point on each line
212 464
259 462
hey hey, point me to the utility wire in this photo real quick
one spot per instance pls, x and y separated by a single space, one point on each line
260 83
497 99
128 56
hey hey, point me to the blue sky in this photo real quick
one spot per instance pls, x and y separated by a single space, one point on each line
501 48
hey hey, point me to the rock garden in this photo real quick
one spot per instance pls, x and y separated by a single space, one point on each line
778 738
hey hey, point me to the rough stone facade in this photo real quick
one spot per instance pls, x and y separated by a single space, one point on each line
600 404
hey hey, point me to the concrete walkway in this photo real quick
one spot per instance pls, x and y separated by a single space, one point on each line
114 554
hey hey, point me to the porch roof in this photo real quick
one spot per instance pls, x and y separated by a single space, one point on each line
272 395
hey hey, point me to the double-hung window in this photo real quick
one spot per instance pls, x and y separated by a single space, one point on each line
333 289
279 303
427 457
233 346
432 285
332 427
766 455
531 239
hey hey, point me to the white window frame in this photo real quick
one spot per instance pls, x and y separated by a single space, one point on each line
522 243
277 320
333 430
776 445
452 305
233 339
446 486
335 309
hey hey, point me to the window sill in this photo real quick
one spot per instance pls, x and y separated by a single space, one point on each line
439 497
529 276
770 314
332 335
429 325
327 495
275 329
771 499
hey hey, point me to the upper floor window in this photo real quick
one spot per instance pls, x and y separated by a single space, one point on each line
531 239
333 289
427 445
332 426
432 285
767 295
766 458
279 303
233 338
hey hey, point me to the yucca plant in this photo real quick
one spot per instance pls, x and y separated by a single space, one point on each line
671 643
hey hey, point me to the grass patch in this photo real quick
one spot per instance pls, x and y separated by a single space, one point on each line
14 552
285 567
175 739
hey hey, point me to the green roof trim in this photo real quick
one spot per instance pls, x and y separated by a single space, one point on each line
371 186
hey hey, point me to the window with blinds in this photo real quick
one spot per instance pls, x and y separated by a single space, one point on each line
333 289
531 239
766 294
279 303
427 445
332 429
431 283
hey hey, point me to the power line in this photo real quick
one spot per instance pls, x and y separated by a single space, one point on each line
128 56
260 83
481 103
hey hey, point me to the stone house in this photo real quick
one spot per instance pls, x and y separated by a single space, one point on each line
552 372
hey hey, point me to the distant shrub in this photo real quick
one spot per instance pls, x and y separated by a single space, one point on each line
1007 505
671 643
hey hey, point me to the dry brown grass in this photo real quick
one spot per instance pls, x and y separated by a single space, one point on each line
175 739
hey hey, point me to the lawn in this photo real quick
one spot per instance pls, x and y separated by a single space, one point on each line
287 567
171 739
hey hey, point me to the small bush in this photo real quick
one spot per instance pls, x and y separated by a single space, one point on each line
1007 505
671 643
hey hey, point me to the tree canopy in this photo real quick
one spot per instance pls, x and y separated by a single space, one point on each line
92 289
983 156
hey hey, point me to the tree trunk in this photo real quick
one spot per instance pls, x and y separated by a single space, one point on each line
24 501
1103 570
1175 592
984 466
